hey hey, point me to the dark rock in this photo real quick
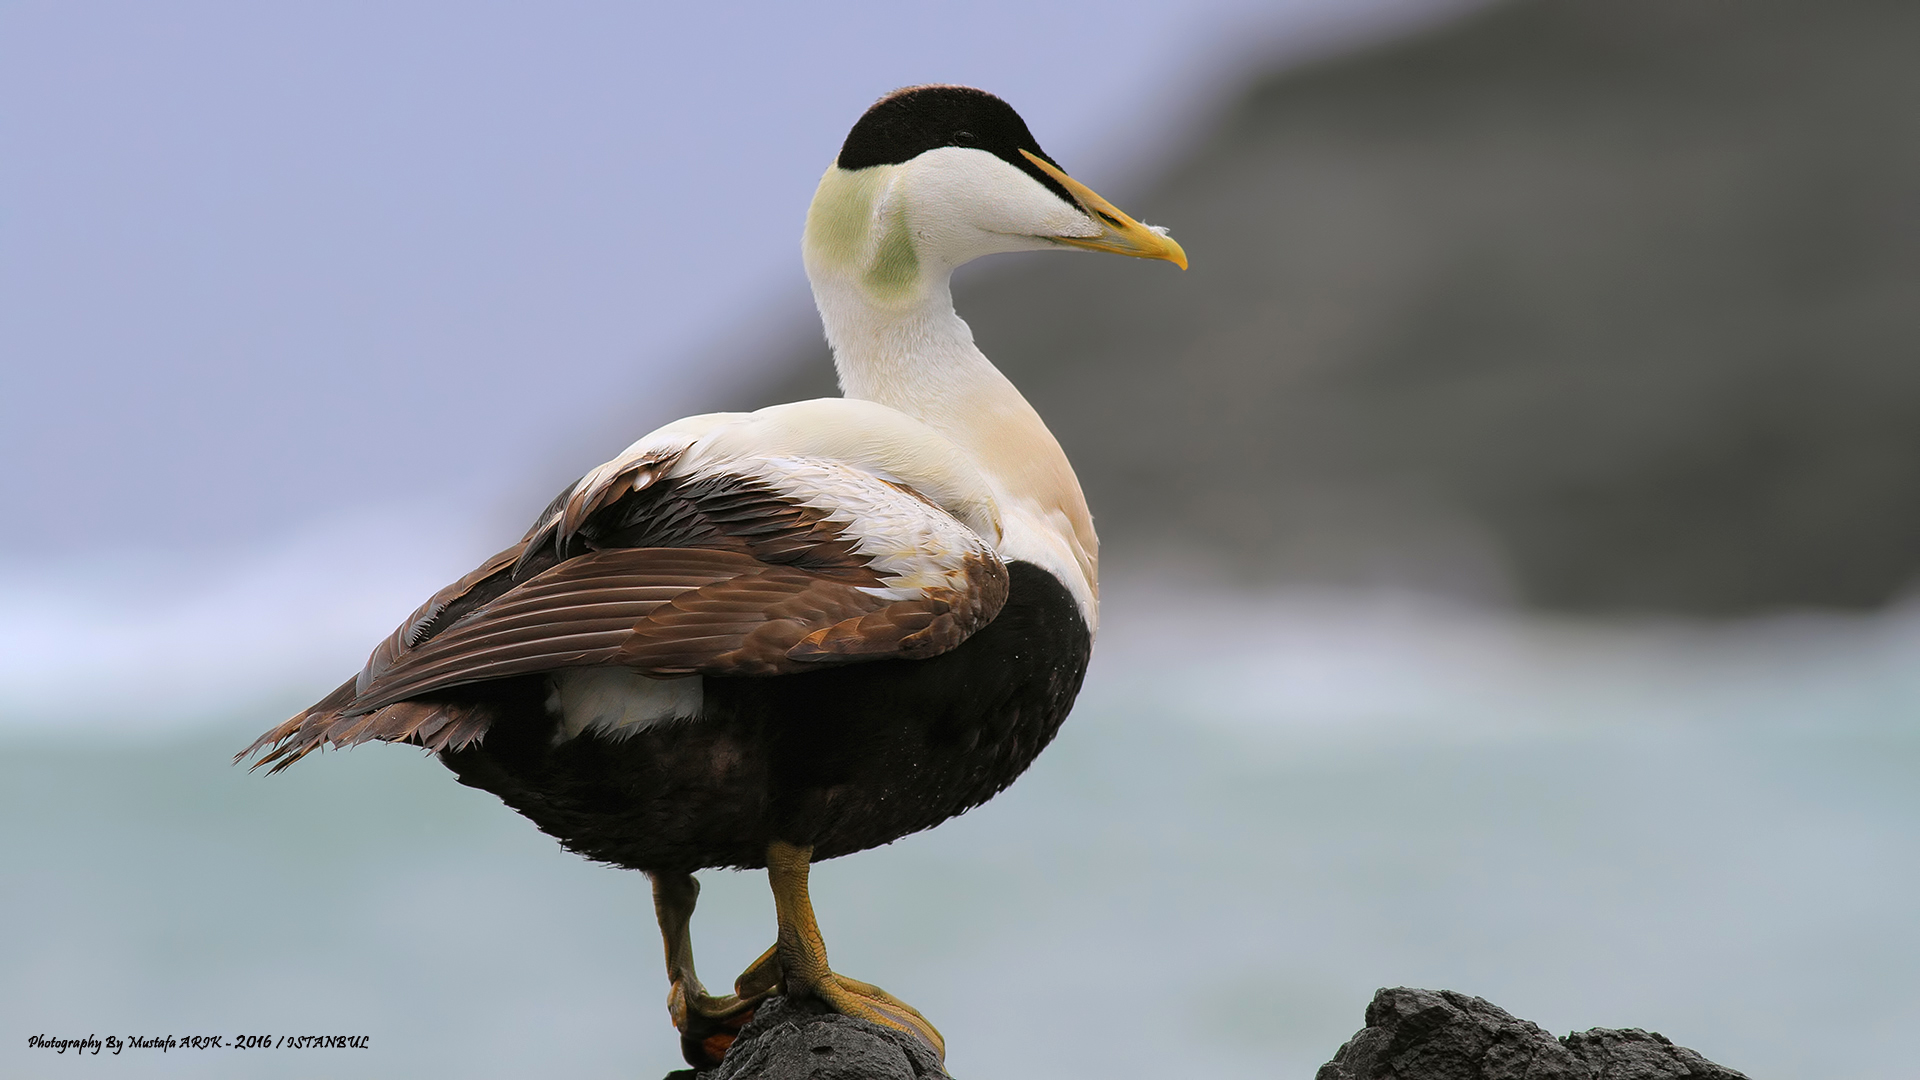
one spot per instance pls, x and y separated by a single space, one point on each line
1445 1035
1633 1053
793 1040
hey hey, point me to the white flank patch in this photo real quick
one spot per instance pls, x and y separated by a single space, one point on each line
620 702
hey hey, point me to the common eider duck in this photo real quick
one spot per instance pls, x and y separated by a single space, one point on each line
764 639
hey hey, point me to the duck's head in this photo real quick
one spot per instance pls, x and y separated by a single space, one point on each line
936 176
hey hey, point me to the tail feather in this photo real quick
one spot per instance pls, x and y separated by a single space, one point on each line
464 731
436 725
298 737
441 718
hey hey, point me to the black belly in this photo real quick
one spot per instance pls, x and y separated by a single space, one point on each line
841 759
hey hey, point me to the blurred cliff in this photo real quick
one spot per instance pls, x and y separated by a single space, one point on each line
1600 306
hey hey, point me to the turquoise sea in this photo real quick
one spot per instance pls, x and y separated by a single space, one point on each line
1262 810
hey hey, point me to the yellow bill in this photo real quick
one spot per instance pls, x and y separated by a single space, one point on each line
1119 233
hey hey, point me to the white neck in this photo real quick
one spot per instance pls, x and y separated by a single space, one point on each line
899 342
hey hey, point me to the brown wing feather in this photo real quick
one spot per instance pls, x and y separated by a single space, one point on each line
743 626
722 610
913 629
593 493
578 614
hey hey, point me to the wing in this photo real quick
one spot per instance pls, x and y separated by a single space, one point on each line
765 566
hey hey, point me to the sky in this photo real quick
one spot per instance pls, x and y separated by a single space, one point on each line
305 308
264 264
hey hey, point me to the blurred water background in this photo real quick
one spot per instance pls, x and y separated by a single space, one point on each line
1510 520
1711 833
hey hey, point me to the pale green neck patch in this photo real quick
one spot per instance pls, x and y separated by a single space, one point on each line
895 270
854 230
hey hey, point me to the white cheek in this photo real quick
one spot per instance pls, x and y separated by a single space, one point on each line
968 203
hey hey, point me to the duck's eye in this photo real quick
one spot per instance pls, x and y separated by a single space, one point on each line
963 138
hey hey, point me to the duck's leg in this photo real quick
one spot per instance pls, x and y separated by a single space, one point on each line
707 1024
803 955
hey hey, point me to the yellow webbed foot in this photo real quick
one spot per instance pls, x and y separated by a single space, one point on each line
802 956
